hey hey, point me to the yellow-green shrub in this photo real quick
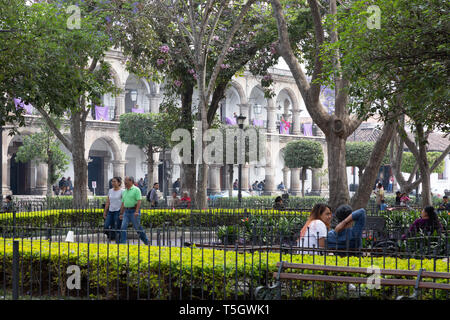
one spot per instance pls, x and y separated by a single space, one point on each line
149 268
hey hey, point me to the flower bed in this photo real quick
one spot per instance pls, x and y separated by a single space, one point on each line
161 272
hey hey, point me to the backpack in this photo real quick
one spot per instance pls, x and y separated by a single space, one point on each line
148 195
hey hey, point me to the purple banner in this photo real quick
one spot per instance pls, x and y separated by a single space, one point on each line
307 129
258 123
22 105
137 110
101 113
284 127
230 121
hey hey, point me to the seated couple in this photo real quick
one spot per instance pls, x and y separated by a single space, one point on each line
346 235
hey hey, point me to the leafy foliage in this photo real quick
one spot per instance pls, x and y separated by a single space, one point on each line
163 271
303 154
143 130
409 161
44 147
357 154
405 61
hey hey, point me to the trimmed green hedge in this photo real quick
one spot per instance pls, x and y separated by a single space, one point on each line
61 202
149 217
164 271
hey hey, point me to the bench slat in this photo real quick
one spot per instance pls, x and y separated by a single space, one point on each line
360 280
393 272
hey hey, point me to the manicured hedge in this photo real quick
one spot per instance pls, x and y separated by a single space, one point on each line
164 271
149 217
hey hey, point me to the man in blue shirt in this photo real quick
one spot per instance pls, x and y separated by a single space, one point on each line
348 233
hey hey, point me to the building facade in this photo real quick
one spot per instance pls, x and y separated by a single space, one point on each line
108 156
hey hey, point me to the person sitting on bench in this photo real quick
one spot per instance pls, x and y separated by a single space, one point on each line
347 235
427 224
314 231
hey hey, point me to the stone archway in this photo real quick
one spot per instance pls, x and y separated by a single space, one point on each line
102 153
20 176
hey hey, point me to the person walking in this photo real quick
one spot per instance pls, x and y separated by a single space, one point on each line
130 210
391 183
112 210
152 196
379 194
145 184
141 185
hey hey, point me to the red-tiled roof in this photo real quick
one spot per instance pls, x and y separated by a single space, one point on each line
436 141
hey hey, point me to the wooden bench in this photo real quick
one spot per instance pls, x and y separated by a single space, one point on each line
274 292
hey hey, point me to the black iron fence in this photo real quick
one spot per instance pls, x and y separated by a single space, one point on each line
194 262
193 254
290 203
181 264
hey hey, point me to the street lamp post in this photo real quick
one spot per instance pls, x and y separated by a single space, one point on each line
240 121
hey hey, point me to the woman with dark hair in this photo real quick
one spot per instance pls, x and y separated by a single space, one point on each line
278 205
427 223
112 209
314 232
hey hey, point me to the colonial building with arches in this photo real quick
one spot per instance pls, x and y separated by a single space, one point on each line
108 156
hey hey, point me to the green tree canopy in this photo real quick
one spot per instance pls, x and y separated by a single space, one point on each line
142 130
303 154
409 161
405 58
44 147
147 131
357 154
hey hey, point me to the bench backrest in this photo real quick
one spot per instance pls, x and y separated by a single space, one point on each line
375 223
393 272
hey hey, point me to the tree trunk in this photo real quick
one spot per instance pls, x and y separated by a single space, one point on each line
189 177
336 127
360 176
362 195
202 199
50 169
337 171
424 166
150 163
188 180
303 175
80 166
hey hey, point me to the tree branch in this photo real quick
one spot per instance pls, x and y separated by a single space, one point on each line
320 37
54 128
236 25
317 111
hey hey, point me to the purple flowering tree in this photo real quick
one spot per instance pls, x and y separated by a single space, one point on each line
203 49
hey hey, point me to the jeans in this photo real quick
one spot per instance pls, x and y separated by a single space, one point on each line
128 216
112 221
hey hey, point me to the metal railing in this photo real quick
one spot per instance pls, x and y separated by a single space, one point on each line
190 262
